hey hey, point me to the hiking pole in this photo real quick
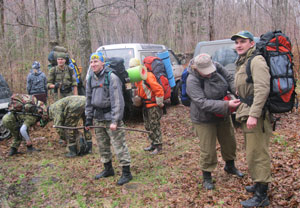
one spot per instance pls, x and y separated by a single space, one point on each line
94 127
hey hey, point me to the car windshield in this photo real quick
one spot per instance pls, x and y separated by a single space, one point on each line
125 53
225 56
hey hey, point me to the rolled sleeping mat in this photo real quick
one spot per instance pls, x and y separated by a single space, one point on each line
137 73
164 56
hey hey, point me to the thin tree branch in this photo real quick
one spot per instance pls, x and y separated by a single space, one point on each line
102 6
27 25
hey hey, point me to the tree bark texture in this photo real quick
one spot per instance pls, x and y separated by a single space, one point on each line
84 38
53 29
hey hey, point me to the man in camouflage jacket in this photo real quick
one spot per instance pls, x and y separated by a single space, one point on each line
62 79
67 112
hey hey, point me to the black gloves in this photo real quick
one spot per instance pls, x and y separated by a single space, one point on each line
57 85
89 122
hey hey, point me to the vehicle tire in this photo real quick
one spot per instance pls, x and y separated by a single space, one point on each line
4 132
175 99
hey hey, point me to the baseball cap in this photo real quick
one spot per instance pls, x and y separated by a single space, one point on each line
243 34
204 64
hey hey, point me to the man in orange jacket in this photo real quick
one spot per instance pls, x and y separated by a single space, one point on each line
152 95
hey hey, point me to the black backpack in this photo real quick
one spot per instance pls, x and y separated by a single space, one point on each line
275 47
116 65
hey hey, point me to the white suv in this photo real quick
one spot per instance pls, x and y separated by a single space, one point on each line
140 51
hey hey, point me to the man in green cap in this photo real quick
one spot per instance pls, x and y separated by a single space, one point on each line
62 79
255 118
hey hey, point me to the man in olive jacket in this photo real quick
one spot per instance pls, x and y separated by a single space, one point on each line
255 118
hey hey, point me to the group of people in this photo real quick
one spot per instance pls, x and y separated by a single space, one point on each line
207 84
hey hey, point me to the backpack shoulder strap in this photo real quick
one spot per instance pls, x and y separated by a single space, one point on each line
248 67
107 77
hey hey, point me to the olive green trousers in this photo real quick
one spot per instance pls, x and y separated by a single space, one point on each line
257 150
208 133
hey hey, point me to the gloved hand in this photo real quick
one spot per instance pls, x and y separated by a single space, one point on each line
57 85
88 122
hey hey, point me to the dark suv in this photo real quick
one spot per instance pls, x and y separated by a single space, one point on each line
5 94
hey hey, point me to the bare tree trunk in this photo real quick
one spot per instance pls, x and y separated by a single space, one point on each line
23 39
145 20
84 36
35 31
2 31
46 36
53 29
63 22
211 16
95 20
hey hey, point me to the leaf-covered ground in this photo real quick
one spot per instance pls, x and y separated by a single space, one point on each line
172 179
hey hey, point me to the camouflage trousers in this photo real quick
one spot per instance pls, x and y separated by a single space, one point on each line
152 118
107 138
14 123
72 120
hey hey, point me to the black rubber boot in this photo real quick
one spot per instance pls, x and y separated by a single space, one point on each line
260 198
207 181
150 148
90 147
231 169
251 189
13 151
126 176
157 150
72 151
31 149
107 172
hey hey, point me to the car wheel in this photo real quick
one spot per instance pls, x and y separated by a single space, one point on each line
4 132
175 100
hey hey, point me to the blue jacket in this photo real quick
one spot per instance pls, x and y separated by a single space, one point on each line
36 82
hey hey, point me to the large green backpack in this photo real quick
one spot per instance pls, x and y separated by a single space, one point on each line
27 104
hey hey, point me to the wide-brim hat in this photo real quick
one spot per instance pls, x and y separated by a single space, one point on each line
203 64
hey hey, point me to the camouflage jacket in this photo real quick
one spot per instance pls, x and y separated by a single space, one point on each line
71 106
66 77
